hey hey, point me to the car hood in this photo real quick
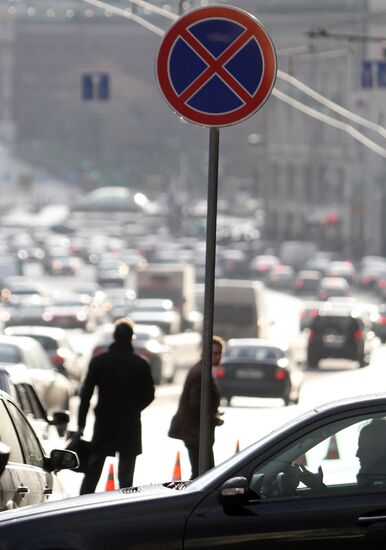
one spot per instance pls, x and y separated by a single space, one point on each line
97 500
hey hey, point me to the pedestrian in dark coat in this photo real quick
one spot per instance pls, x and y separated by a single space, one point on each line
125 387
186 422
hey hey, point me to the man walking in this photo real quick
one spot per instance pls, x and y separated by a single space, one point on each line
125 388
186 422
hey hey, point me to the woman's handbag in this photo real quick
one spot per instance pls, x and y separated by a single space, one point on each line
82 448
175 430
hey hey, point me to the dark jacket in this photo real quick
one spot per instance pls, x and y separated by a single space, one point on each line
125 388
187 418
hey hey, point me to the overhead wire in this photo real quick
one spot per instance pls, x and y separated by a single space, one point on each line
282 96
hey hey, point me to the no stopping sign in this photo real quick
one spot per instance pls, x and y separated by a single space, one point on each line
216 66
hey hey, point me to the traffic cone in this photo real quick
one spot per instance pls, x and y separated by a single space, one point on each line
237 446
177 468
110 483
332 451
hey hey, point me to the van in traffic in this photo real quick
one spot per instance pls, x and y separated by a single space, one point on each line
240 309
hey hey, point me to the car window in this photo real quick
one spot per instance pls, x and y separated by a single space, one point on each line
48 343
30 443
255 353
325 461
28 401
339 323
9 354
9 436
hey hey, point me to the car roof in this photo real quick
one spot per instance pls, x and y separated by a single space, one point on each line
54 332
24 342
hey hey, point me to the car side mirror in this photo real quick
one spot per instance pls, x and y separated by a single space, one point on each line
4 456
62 459
234 491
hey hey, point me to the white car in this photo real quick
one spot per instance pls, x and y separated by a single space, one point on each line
24 356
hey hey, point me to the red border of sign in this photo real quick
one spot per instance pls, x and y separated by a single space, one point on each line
269 69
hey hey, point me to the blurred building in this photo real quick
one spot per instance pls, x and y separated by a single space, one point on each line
315 181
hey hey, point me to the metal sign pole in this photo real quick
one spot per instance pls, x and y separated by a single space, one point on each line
210 262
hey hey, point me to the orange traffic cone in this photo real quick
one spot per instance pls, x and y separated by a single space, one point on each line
177 468
332 451
237 446
110 483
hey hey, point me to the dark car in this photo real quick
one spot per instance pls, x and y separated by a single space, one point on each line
308 311
28 476
339 333
333 286
255 367
281 277
71 311
260 266
255 499
27 310
379 323
111 272
307 281
343 269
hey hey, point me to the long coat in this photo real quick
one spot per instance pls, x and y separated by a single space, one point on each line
125 387
187 417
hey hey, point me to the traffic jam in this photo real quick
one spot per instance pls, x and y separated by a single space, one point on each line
184 369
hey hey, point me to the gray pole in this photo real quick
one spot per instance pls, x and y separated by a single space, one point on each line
210 260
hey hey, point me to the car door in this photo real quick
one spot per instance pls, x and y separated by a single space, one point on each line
30 471
282 511
13 491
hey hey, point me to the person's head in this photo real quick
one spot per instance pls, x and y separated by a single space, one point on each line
217 347
372 443
123 331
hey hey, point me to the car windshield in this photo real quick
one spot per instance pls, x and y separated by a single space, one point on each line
263 353
338 322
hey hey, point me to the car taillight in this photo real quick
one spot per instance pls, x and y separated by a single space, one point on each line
311 333
281 374
382 321
262 267
299 283
366 280
382 283
57 360
358 335
219 372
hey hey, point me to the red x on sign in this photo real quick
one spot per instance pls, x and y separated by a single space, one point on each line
216 66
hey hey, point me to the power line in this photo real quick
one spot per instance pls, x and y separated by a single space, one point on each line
331 104
326 119
338 124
